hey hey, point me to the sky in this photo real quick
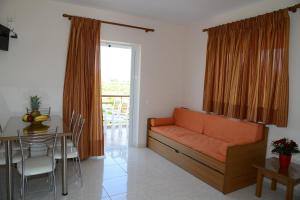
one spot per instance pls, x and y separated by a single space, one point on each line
115 63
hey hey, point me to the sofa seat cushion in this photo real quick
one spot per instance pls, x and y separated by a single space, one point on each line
173 132
232 130
207 145
202 143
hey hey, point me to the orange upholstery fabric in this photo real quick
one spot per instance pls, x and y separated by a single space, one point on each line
222 128
208 145
208 134
162 121
231 130
173 132
189 119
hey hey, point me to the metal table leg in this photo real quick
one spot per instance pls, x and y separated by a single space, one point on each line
9 168
64 166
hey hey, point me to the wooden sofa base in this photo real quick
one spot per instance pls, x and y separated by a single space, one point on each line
237 172
205 173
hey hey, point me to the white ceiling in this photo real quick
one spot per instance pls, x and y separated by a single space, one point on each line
176 11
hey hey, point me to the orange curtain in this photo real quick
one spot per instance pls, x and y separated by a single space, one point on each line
247 69
82 84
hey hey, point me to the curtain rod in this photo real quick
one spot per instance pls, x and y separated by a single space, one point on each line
117 24
291 9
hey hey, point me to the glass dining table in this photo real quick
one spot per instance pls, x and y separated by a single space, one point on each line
10 135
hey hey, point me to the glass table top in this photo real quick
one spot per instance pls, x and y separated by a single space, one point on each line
15 123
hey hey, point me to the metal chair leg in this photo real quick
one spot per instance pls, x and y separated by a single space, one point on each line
20 188
26 184
23 188
74 164
50 182
80 174
75 167
54 184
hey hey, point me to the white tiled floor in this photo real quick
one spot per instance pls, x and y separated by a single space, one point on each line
139 174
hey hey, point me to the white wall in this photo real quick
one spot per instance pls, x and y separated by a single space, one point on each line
35 62
172 62
195 64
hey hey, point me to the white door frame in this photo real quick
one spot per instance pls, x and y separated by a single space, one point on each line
134 88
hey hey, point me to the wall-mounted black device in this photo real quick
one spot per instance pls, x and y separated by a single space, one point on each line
4 38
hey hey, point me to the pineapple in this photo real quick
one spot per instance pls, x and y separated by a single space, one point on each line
35 102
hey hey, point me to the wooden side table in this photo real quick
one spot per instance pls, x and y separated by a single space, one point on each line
271 170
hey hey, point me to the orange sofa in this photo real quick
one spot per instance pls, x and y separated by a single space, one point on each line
218 150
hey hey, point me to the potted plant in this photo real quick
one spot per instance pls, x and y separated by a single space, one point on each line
285 148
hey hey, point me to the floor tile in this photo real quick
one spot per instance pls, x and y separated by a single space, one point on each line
113 171
108 161
120 160
129 197
116 186
145 176
124 166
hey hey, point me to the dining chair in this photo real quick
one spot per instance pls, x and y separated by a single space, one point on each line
124 118
40 149
116 115
33 166
16 157
73 121
15 145
2 148
16 154
107 116
72 152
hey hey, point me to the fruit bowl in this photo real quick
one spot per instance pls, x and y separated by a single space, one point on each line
35 120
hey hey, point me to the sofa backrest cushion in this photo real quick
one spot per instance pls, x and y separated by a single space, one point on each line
162 121
232 130
189 119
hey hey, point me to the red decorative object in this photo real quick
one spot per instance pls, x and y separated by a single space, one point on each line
285 148
284 161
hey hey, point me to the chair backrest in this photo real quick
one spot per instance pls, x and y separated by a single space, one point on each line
1 132
71 120
43 111
32 139
78 130
74 120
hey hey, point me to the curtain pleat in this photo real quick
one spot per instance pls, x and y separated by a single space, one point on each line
82 84
247 69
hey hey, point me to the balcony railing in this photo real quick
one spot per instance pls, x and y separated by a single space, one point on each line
115 122
115 111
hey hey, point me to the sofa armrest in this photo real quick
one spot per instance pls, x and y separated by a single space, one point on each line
248 151
162 121
239 163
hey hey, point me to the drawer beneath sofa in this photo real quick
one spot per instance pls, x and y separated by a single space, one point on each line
198 169
198 156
